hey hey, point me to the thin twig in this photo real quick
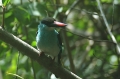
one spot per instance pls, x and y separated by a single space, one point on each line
65 37
56 11
21 2
88 12
66 44
108 28
33 68
113 16
72 6
15 75
3 17
88 37
17 64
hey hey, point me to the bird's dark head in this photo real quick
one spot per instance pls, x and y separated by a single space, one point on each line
51 22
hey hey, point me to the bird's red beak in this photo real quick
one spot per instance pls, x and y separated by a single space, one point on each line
60 24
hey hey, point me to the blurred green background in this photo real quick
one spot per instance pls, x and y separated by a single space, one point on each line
92 60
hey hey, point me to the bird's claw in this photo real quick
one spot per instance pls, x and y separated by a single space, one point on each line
41 53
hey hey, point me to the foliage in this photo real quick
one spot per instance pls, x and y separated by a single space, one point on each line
92 59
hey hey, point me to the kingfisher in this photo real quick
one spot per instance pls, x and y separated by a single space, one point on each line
48 39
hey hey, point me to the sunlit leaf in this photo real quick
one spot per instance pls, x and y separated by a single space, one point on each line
33 43
5 2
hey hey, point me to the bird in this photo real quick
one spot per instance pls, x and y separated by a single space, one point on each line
48 39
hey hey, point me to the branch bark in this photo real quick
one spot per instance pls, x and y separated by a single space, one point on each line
33 53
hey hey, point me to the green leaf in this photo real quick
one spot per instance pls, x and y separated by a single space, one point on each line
42 9
33 43
21 14
5 2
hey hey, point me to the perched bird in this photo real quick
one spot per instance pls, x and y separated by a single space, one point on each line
48 39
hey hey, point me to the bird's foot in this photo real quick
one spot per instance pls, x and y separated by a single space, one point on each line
41 53
53 59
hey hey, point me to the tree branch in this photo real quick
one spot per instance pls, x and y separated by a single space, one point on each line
108 28
72 67
72 6
33 53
